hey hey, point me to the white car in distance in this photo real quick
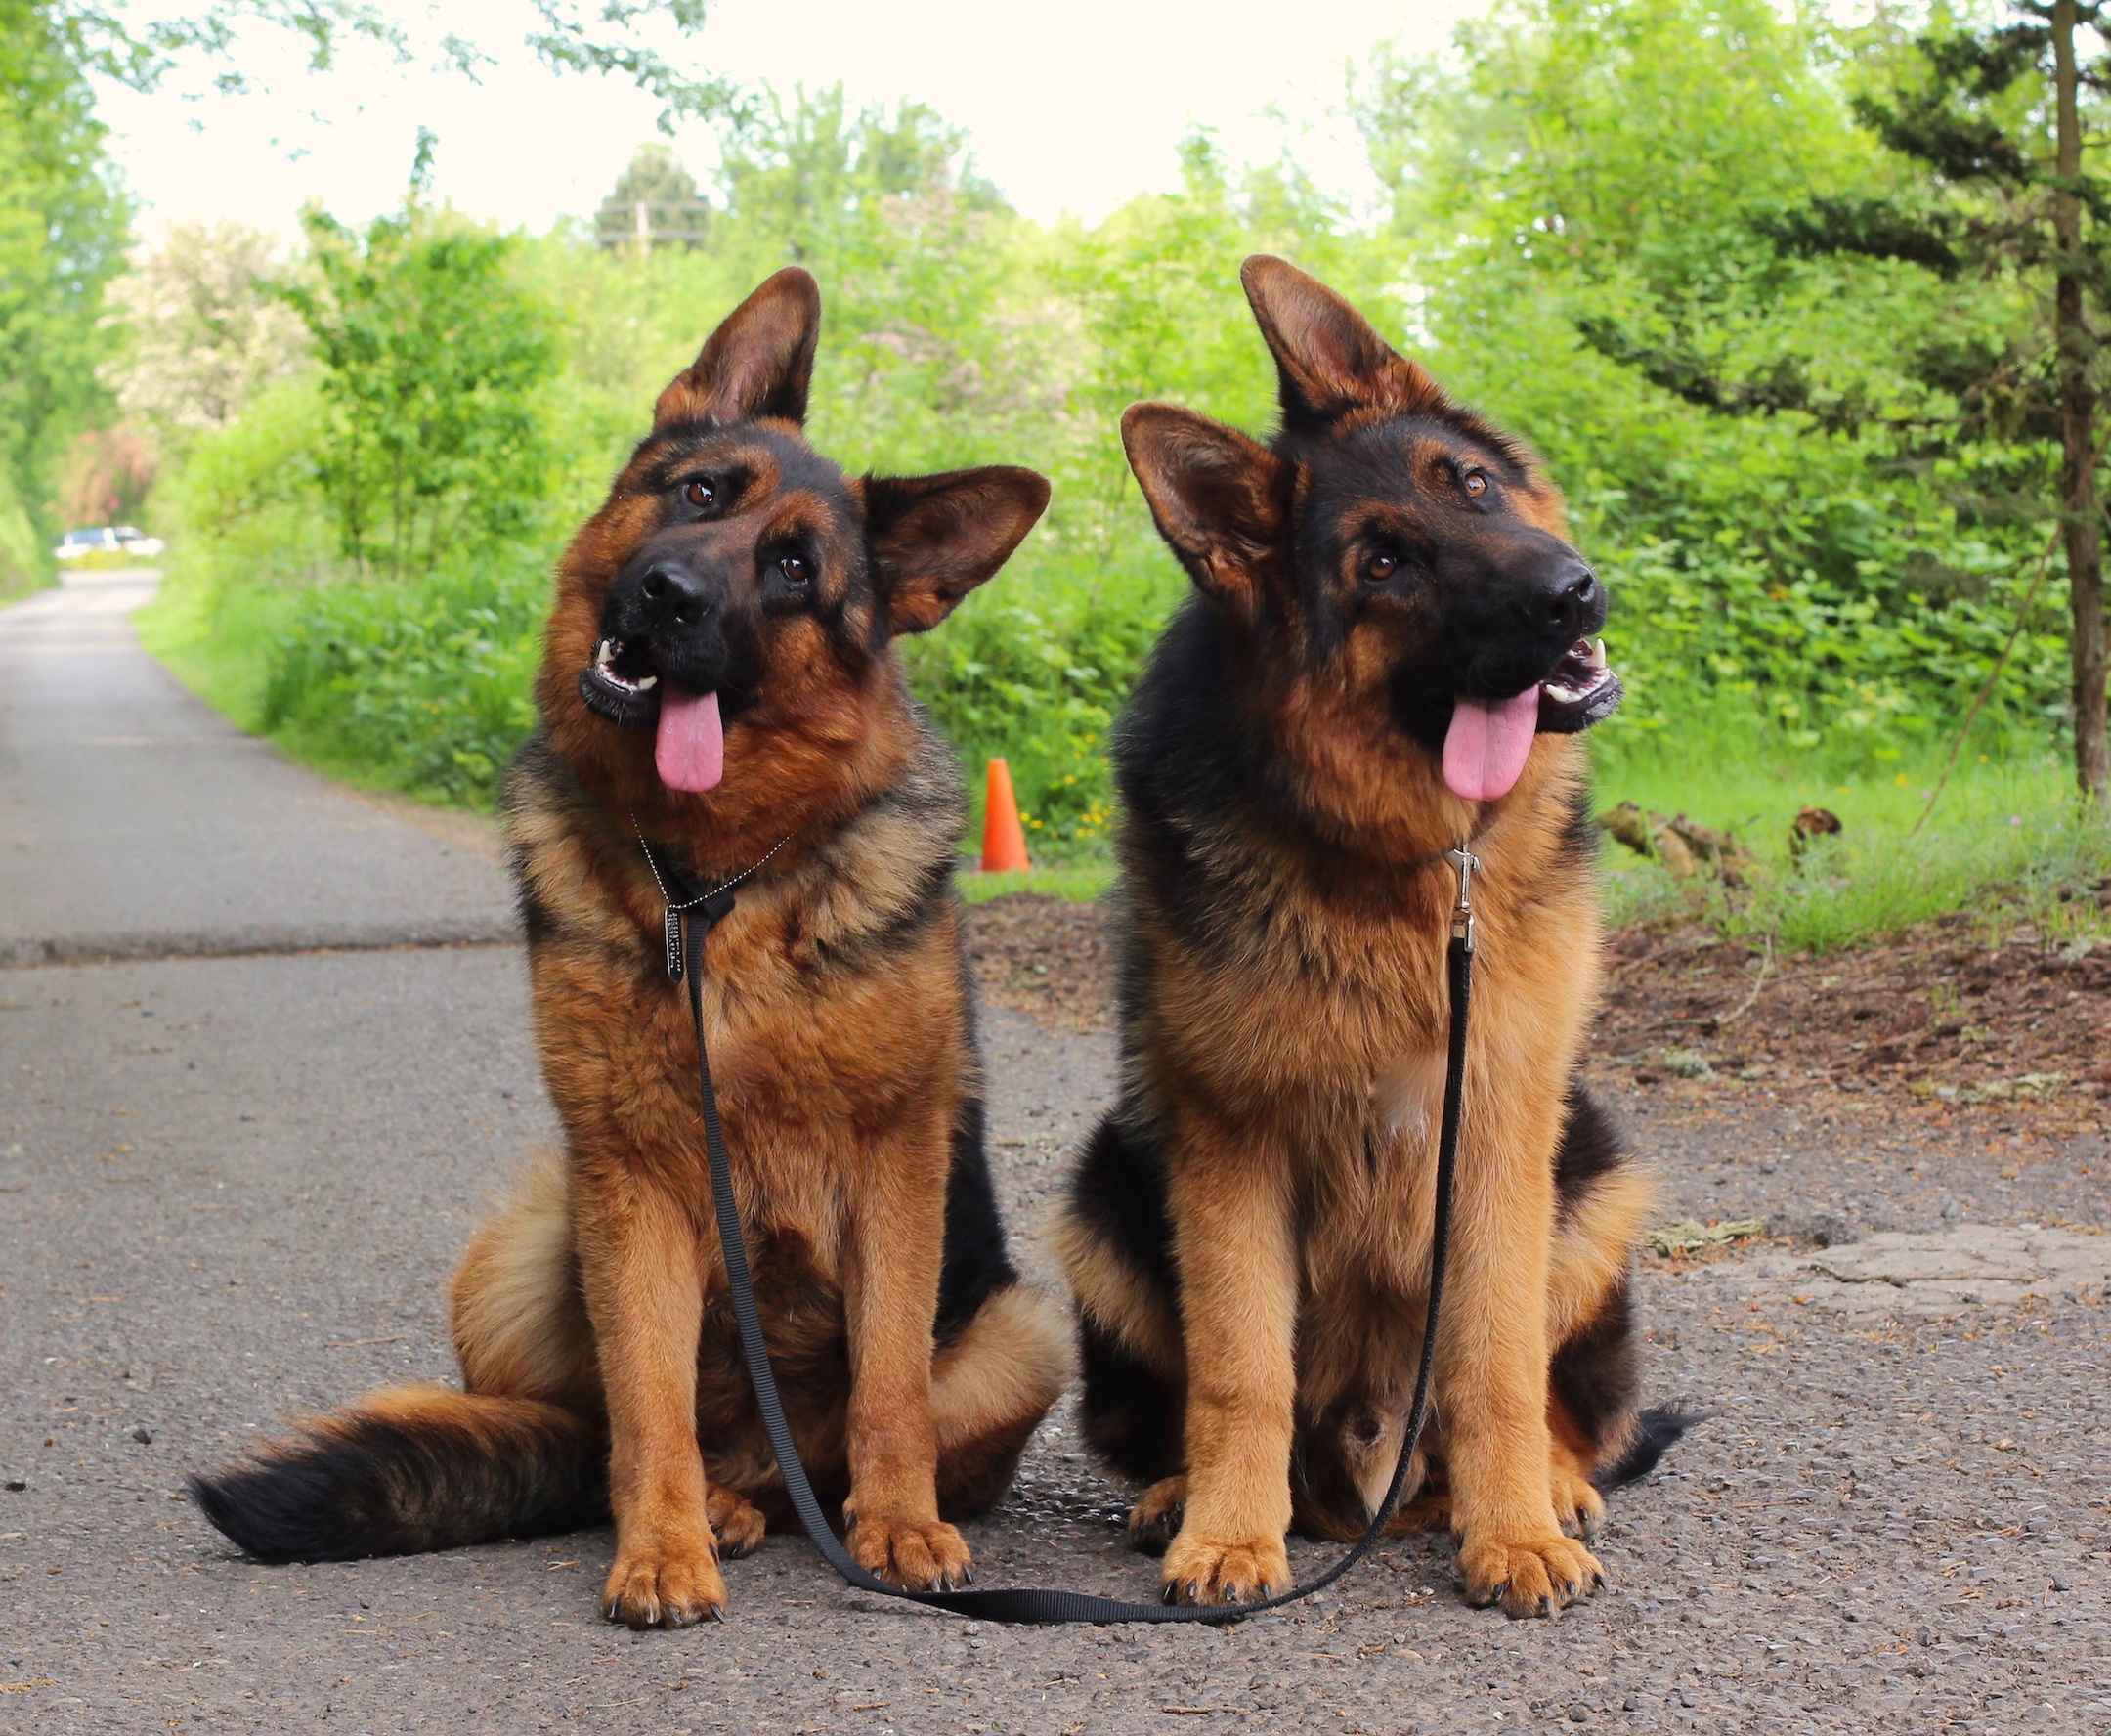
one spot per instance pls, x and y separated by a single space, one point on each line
113 539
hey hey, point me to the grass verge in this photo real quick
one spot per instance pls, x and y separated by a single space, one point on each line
2009 843
1079 885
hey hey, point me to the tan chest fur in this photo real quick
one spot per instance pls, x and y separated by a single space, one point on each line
811 1058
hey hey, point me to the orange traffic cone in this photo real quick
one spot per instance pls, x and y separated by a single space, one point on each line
1004 839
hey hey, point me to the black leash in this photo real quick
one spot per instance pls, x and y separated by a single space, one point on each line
1028 1604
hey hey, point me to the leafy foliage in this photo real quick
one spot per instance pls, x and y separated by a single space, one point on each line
432 358
603 37
61 236
1576 191
431 682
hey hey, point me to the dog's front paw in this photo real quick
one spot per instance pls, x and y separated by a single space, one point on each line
916 1554
1528 1576
1209 1569
665 1585
1155 1520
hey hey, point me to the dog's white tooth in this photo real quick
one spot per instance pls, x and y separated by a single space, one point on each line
645 682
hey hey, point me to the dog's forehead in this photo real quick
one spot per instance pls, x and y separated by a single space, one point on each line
776 460
1403 454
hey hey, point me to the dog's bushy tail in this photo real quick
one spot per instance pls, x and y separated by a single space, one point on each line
412 1469
1655 1432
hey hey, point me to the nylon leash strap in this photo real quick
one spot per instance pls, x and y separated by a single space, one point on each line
1034 1605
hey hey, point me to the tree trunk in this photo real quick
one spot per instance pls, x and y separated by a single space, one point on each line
2082 517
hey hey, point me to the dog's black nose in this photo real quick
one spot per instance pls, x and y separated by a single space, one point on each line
1571 601
674 596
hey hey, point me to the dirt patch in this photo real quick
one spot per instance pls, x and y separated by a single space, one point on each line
1936 1022
1936 1015
1045 956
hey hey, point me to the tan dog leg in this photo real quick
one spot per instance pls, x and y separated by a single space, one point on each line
890 1298
1492 1375
1239 1296
639 1267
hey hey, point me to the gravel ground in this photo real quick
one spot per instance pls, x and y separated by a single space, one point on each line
232 1188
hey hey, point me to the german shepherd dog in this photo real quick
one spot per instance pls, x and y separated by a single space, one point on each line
721 679
1388 653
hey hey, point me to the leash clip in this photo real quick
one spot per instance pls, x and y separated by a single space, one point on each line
710 910
1462 916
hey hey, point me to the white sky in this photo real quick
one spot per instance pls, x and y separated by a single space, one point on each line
1071 106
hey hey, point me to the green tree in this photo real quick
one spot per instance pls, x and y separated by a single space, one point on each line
204 330
63 232
434 359
2004 129
599 36
655 204
885 207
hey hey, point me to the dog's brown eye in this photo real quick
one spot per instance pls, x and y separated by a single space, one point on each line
793 569
1474 483
700 493
1380 566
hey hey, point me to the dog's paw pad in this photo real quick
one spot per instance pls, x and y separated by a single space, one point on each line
663 1587
737 1525
1579 1506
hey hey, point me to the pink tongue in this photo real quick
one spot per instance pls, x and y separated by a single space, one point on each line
690 751
1484 749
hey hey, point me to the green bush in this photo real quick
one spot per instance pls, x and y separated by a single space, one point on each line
1035 672
25 562
433 357
426 685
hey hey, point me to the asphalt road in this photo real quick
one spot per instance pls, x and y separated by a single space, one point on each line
232 1186
135 822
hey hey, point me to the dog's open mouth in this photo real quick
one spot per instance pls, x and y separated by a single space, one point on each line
689 745
1581 691
1487 740
620 683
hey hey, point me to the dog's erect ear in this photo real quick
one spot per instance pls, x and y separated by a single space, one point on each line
759 363
1217 496
1329 360
934 539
